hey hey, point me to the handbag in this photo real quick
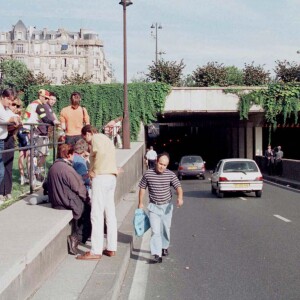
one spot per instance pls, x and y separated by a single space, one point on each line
141 222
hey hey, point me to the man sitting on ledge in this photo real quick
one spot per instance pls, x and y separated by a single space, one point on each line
66 190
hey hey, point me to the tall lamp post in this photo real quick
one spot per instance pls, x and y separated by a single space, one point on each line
156 26
126 122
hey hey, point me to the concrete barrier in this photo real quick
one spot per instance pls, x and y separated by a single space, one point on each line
34 238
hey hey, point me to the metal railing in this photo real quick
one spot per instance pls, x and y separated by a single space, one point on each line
32 148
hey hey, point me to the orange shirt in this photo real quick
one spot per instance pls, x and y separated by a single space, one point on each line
73 119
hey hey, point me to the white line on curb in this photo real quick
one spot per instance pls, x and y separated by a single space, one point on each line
282 218
140 278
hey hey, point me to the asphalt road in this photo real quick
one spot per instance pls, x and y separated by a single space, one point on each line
238 248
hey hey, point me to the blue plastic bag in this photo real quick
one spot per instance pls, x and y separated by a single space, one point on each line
141 222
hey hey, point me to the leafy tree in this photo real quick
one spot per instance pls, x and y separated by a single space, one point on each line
287 71
212 74
169 72
255 75
234 76
77 79
187 81
14 74
41 79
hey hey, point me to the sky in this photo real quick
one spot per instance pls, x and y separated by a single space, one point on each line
232 32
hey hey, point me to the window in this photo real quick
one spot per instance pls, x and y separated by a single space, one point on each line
19 35
2 37
20 48
36 36
2 49
52 63
64 62
37 48
37 62
76 64
96 62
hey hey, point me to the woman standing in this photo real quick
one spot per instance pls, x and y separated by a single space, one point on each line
7 142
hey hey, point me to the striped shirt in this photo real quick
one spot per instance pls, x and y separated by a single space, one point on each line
159 185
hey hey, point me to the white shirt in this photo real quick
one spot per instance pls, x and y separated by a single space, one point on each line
5 115
151 154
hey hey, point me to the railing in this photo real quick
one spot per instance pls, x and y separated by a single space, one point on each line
32 147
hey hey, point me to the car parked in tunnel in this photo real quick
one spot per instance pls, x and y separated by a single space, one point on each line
191 165
236 175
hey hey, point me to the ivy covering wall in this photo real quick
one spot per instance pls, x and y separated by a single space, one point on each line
105 102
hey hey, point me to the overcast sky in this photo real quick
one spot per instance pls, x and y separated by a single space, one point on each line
232 32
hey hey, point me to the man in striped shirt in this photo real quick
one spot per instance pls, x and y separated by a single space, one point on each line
159 182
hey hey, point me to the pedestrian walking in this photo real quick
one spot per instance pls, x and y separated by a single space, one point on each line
278 161
159 182
151 156
73 118
103 173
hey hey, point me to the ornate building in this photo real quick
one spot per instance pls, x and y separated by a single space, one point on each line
58 53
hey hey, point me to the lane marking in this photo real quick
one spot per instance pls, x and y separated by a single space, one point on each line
140 277
242 198
282 218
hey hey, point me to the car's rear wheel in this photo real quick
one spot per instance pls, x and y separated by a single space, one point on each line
258 194
220 194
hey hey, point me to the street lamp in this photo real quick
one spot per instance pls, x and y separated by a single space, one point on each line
126 122
156 27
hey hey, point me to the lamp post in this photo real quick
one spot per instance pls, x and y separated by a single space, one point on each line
156 26
126 122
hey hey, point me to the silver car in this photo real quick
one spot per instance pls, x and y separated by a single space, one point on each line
236 175
191 165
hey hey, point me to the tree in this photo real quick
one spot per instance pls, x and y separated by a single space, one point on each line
14 74
287 72
255 75
77 79
212 74
234 76
169 72
187 81
41 79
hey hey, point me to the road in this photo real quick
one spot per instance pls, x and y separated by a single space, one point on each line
237 248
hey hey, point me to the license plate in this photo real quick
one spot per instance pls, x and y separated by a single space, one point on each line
192 168
241 185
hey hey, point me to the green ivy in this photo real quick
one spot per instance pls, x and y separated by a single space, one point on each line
105 102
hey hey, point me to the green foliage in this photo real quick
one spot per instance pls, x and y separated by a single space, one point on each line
77 79
277 100
15 74
255 75
105 102
168 72
234 76
287 71
212 74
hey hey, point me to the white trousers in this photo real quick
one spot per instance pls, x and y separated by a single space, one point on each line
103 203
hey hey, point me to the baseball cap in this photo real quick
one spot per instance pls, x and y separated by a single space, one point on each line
44 93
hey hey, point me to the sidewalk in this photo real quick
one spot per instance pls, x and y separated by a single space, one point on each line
281 180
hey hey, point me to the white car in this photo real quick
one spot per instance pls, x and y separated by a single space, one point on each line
236 175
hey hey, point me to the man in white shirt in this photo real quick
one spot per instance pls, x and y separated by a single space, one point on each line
151 157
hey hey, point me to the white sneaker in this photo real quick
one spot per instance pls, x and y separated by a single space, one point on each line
23 180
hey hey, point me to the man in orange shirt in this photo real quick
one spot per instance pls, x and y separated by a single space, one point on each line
73 118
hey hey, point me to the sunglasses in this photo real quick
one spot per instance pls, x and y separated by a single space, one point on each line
14 104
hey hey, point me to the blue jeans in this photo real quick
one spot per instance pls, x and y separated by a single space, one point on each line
160 220
1 161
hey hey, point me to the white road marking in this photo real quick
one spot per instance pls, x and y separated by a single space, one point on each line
242 198
282 218
140 278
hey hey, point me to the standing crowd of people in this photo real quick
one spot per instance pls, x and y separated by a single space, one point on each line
274 160
84 175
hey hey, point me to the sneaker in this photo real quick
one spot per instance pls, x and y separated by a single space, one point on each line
23 180
157 259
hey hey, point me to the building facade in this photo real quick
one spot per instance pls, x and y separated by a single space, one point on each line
57 54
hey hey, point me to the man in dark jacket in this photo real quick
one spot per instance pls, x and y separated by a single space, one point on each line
66 190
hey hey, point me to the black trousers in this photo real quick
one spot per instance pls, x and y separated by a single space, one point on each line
8 159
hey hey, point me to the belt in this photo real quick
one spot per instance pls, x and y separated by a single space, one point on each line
160 202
